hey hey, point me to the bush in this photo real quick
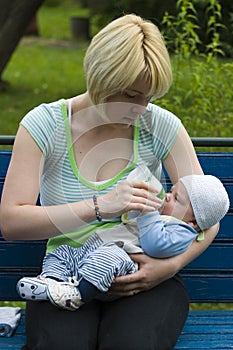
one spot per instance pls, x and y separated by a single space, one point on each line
155 10
201 93
52 3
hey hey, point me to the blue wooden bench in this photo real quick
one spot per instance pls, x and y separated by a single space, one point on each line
209 279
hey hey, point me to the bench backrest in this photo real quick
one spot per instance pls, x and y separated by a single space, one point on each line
209 278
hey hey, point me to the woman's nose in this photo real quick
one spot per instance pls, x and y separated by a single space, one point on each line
168 196
139 109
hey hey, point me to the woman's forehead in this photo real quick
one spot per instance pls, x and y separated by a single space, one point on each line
141 85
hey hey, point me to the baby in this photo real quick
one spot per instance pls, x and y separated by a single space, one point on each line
73 276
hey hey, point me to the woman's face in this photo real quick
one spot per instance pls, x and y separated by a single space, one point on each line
124 107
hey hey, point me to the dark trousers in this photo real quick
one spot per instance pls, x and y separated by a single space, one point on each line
146 321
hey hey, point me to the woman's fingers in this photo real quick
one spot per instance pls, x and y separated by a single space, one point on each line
139 191
147 277
129 195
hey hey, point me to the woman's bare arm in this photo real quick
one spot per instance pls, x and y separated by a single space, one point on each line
21 218
181 161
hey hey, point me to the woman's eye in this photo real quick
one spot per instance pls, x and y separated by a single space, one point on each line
129 95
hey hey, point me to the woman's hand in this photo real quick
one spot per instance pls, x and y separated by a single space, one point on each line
151 273
129 195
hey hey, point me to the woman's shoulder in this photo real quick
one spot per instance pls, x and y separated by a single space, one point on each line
154 111
156 116
45 114
45 123
52 109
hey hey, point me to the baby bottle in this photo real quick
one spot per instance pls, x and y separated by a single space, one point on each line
143 173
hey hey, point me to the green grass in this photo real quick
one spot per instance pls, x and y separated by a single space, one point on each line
50 67
40 72
43 69
193 306
211 306
54 22
21 304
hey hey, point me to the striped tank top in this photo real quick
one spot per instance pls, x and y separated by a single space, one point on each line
48 124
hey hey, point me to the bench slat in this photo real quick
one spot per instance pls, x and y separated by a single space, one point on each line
212 315
225 231
218 164
209 288
209 329
201 288
8 282
22 254
205 344
218 258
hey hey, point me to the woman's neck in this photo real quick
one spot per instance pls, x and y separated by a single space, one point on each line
86 117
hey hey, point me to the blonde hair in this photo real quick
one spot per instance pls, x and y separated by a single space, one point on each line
125 49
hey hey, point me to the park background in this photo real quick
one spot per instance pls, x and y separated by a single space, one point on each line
47 67
47 63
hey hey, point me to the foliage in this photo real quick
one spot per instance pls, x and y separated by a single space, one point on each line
103 12
204 102
52 3
201 94
205 10
181 30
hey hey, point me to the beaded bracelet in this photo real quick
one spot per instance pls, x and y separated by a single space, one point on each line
97 212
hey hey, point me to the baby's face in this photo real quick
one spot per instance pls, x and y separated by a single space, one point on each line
177 203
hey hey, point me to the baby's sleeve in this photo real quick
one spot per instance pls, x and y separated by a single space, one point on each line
164 238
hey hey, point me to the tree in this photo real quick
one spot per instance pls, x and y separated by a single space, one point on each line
15 16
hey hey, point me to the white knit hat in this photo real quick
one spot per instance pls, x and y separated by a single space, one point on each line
208 198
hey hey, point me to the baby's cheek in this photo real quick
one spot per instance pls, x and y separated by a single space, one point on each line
167 209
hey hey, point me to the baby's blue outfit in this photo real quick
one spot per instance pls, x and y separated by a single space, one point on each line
104 256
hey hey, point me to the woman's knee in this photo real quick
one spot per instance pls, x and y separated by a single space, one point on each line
50 328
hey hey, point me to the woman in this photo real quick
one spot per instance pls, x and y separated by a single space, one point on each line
77 153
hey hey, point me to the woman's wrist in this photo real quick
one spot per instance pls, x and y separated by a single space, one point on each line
176 264
96 207
100 208
104 207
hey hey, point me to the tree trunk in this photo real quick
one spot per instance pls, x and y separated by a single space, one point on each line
15 15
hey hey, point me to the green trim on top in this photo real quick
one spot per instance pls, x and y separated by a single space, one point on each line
73 162
77 238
